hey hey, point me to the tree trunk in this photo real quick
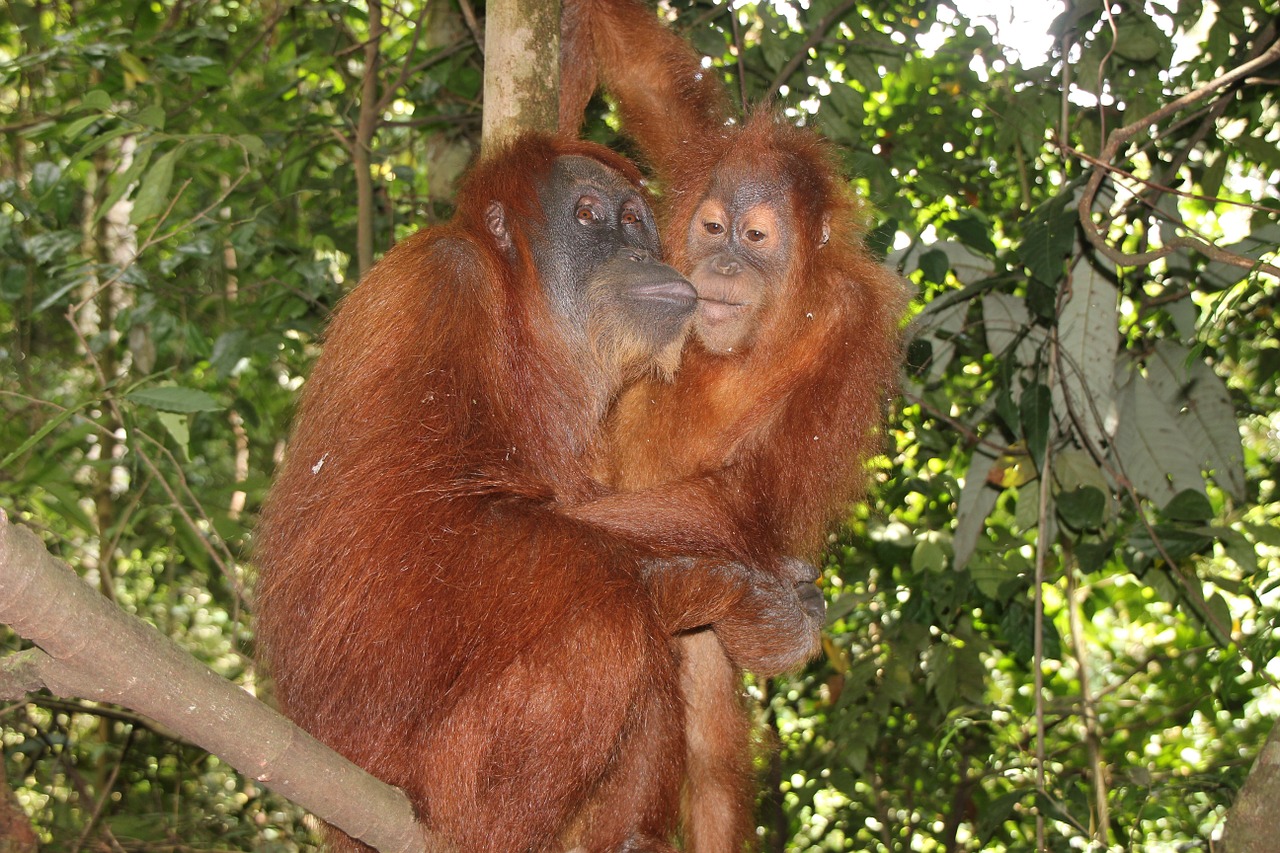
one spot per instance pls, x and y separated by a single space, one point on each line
1251 824
521 69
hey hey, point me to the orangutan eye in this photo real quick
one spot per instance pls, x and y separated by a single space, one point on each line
755 235
630 217
586 214
713 227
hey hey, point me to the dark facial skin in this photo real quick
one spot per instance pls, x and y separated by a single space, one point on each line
599 259
739 245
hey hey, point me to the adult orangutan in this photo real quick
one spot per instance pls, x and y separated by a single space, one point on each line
781 394
425 605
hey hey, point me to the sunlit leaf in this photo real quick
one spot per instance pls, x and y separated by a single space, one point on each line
174 398
179 429
977 499
928 556
96 99
153 193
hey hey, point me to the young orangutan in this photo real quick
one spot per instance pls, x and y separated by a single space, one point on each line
780 398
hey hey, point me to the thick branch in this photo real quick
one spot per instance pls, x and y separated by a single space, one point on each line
89 648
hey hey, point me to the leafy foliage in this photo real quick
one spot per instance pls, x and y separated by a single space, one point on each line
1078 488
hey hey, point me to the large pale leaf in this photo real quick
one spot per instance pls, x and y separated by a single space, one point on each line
940 327
967 264
976 501
1199 403
1008 323
1088 338
1150 449
1003 317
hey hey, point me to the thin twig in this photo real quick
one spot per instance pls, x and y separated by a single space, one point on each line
1042 547
1088 706
738 48
469 15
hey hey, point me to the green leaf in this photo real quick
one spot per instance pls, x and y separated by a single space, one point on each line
102 139
973 232
96 99
120 182
992 817
153 194
928 556
152 116
1177 540
1211 181
75 128
934 264
134 66
67 504
940 675
1138 39
774 49
175 398
39 434
995 577
941 327
1008 392
1042 299
1017 624
1188 505
1217 618
179 428
1048 235
254 145
1074 468
1036 410
1083 508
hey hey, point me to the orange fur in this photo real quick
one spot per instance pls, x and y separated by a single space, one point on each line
778 437
424 604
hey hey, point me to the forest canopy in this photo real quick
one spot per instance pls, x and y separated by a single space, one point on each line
1055 625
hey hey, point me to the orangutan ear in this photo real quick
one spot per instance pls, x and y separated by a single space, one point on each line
495 219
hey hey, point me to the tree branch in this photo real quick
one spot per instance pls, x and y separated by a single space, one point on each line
1094 233
89 648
